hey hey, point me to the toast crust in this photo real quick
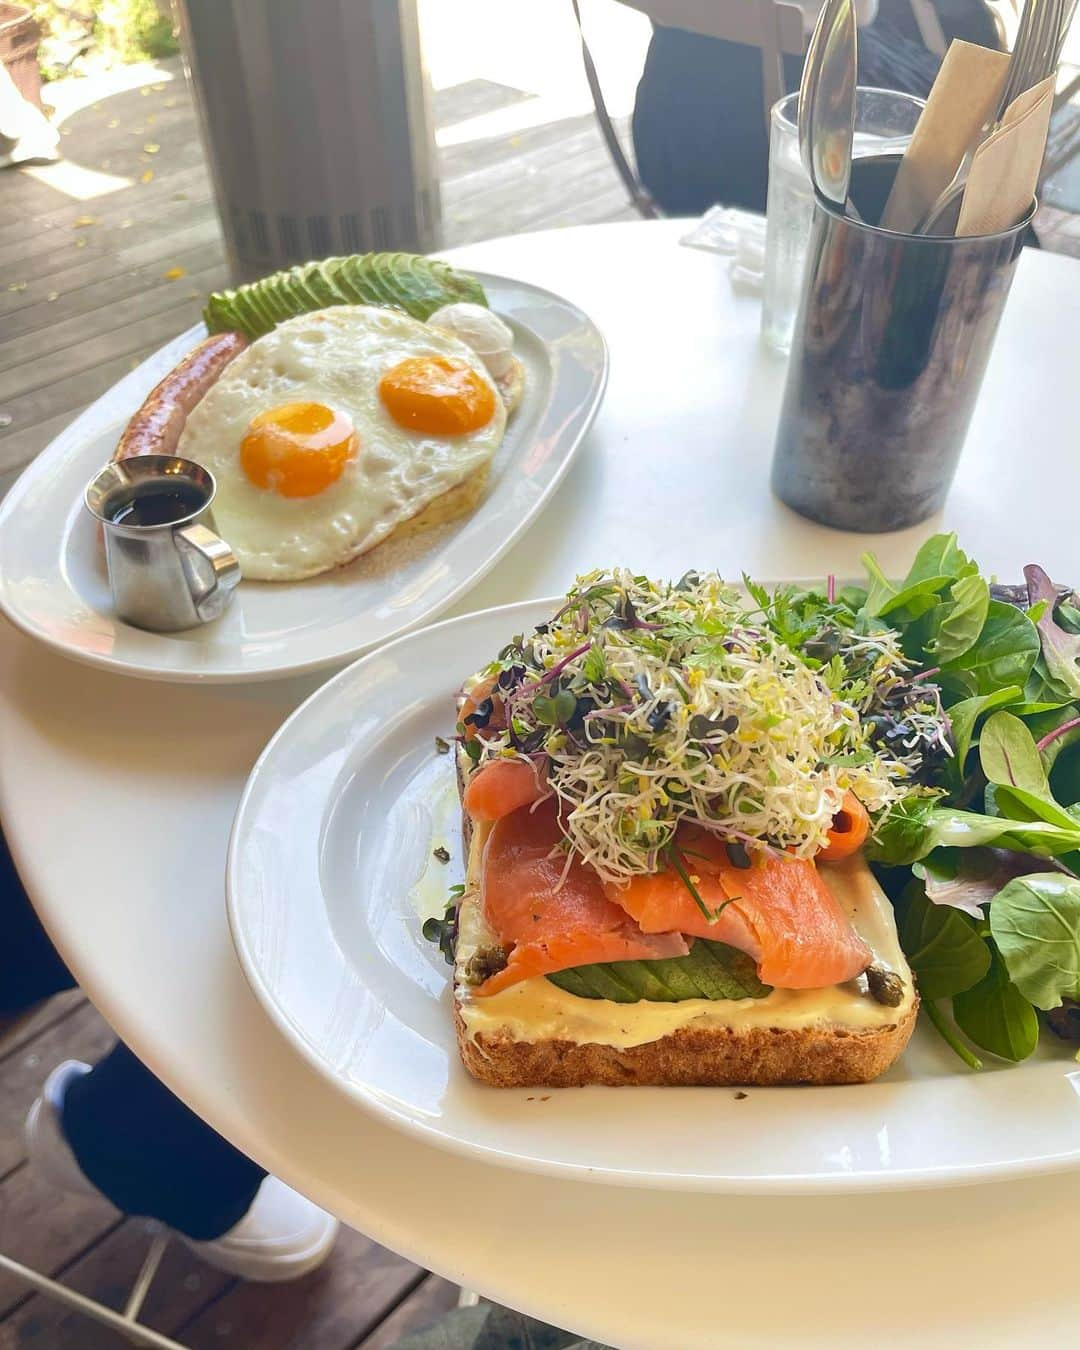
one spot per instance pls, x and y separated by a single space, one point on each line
715 1057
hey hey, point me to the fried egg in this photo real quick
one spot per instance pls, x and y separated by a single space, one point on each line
335 428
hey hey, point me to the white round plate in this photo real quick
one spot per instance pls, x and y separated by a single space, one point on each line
53 583
330 868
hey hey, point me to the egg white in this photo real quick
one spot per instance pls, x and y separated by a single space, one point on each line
335 357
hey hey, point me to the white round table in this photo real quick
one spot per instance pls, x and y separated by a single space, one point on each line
117 797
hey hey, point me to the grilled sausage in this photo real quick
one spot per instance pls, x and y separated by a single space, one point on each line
155 429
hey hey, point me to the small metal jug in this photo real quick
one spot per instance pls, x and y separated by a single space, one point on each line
167 568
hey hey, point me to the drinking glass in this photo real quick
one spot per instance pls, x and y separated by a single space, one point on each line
884 122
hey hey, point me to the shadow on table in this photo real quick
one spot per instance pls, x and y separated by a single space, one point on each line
489 1327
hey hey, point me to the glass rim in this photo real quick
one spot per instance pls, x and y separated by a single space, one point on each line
778 112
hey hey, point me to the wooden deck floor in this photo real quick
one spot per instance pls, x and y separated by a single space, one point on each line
88 287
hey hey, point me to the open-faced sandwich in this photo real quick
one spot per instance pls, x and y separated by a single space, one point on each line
338 404
665 805
670 796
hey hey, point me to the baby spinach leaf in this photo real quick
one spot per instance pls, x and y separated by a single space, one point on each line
965 714
1035 921
914 827
996 1015
1002 655
901 837
1008 755
943 948
1011 760
940 556
956 624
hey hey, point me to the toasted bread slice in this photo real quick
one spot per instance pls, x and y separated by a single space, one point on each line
535 1034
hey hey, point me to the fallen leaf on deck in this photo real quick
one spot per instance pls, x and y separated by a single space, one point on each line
126 224
148 176
6 419
179 196
80 242
145 91
157 88
151 148
84 220
17 286
175 273
53 295
113 122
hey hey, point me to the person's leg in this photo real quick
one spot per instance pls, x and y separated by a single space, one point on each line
149 1154
116 1129
30 966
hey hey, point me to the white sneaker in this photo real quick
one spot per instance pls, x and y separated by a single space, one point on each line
281 1237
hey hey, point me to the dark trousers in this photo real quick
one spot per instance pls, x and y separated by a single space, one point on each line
136 1142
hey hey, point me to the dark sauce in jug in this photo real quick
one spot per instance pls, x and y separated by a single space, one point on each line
158 504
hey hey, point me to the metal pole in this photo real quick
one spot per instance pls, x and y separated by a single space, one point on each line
121 1323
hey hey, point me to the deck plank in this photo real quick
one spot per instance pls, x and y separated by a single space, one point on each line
424 1305
45 1229
182 1288
15 1032
330 1309
83 1035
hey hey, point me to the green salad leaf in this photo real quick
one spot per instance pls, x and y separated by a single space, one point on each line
956 625
1035 922
997 1016
966 713
943 948
711 970
1002 655
1010 760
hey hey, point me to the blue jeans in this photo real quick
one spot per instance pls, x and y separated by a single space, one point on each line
138 1144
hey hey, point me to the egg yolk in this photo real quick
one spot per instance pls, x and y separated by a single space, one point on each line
297 449
437 395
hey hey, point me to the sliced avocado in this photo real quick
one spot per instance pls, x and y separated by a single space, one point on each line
429 291
362 280
572 983
725 972
388 278
266 296
679 982
316 283
458 285
254 313
369 273
220 314
338 271
327 274
711 970
292 289
398 272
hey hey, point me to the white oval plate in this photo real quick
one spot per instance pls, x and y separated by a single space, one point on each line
53 583
330 865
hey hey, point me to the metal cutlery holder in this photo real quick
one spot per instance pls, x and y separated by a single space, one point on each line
891 343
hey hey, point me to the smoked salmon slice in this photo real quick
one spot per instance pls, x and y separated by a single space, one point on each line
778 910
501 786
548 922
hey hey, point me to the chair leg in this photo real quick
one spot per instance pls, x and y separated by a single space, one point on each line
124 1323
